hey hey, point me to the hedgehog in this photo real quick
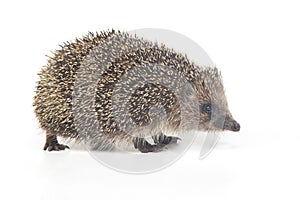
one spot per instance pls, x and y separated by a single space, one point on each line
115 90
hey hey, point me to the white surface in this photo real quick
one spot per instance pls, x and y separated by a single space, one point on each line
255 44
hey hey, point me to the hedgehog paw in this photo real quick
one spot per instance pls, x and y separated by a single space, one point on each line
145 147
53 145
164 139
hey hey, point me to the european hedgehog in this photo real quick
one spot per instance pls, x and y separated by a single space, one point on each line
116 90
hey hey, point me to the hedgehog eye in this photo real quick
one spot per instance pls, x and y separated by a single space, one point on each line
206 108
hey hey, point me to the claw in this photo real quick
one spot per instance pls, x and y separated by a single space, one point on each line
164 139
175 140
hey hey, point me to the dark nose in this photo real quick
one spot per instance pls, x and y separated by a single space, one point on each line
235 126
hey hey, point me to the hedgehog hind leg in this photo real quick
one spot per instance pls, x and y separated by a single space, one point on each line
52 144
162 139
145 147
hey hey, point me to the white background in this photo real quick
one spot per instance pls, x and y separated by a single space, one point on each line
256 44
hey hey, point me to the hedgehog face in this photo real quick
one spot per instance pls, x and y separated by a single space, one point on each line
213 107
216 117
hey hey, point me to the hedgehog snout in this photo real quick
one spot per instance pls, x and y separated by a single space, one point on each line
235 126
231 125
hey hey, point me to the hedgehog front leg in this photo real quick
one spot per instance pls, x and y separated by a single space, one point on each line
52 144
145 147
164 139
